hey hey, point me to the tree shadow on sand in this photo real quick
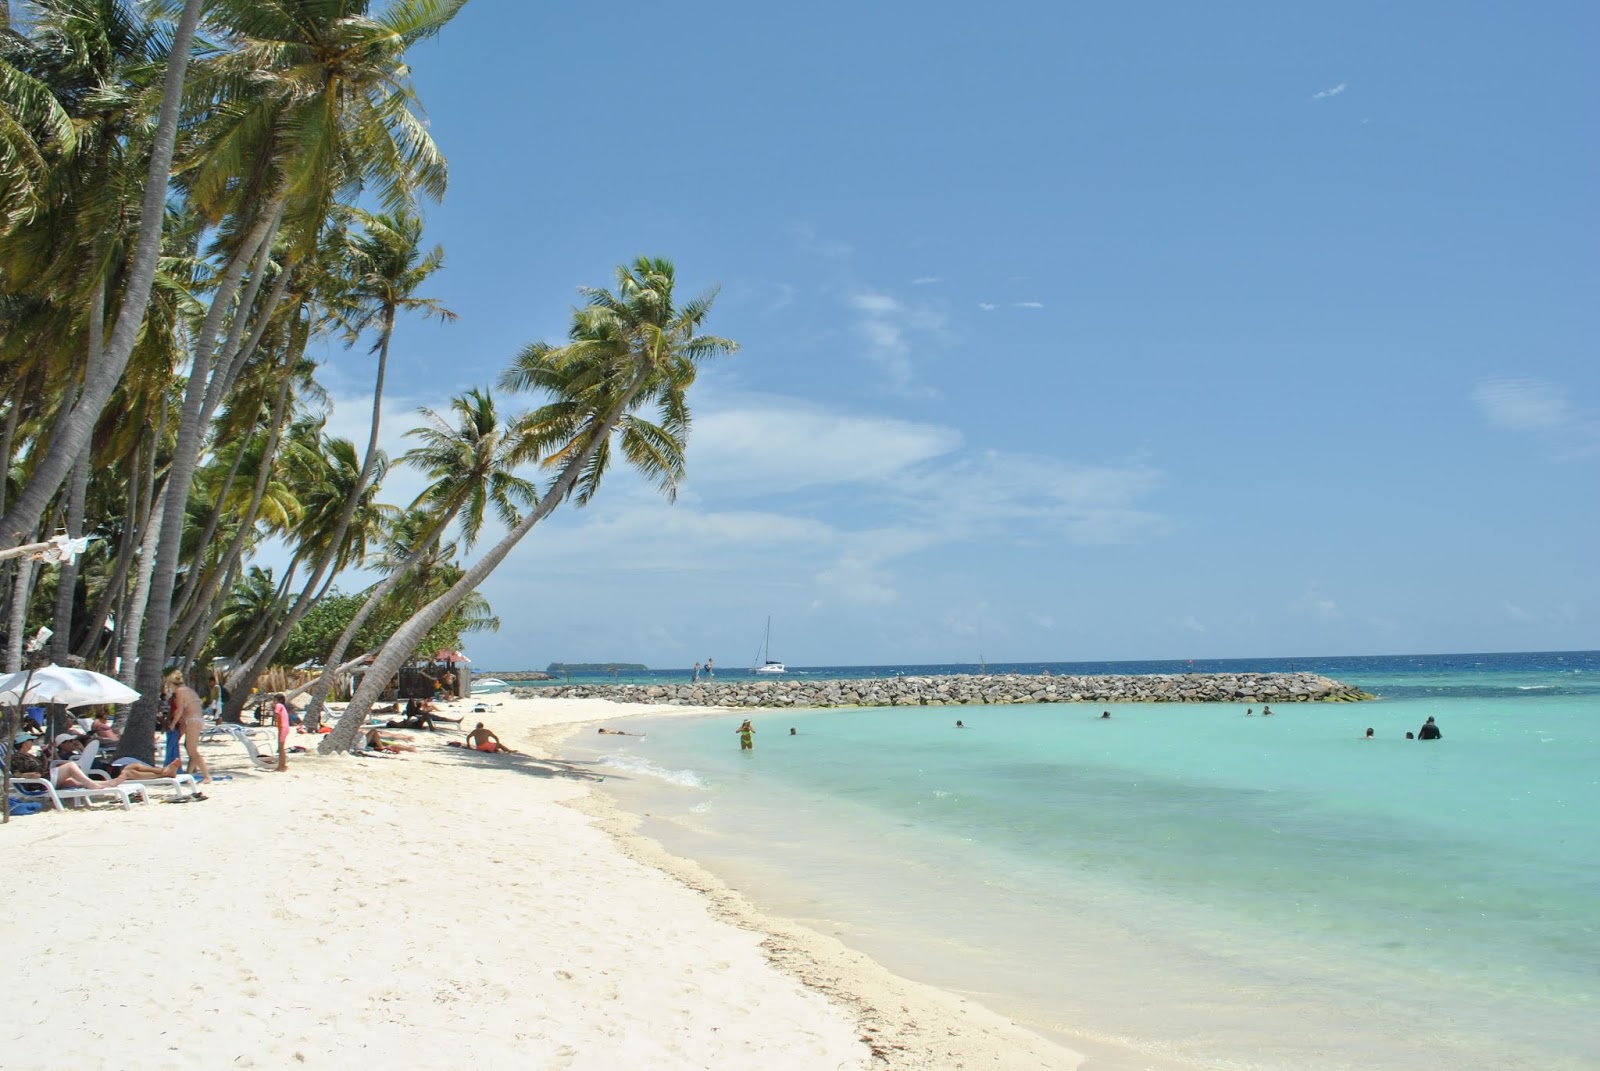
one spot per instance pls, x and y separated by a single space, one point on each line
529 765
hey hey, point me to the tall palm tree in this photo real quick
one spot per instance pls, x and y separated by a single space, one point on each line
311 103
472 465
625 350
24 513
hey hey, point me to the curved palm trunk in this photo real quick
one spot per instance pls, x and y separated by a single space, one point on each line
369 465
67 581
202 606
321 686
415 630
138 740
17 620
57 462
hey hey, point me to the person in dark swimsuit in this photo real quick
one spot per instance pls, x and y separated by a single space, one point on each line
1429 731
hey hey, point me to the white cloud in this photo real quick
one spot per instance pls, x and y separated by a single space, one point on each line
1540 408
806 238
1517 613
926 280
1331 92
1044 621
1317 604
878 304
1193 624
889 327
986 306
1027 304
772 445
1021 497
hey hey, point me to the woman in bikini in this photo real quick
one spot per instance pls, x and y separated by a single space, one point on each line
187 719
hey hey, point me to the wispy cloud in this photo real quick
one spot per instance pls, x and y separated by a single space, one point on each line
987 306
807 239
1027 304
926 280
1317 604
1332 91
1193 624
1517 613
889 326
765 442
1540 408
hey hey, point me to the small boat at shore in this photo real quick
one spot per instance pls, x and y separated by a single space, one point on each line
488 684
767 665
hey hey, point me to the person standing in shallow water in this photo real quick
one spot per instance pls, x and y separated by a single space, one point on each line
746 733
694 674
1429 731
708 669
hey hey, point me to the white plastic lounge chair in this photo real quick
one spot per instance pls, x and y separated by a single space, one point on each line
239 733
40 788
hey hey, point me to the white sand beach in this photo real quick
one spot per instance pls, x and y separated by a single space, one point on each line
440 909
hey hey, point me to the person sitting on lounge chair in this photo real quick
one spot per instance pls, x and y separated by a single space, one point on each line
104 732
481 739
65 773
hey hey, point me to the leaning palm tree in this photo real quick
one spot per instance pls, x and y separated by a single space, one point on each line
472 465
625 350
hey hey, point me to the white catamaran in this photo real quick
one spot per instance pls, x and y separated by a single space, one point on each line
766 663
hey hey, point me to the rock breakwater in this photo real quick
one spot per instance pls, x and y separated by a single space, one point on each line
973 690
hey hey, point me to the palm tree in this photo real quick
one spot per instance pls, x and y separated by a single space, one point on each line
102 378
311 103
472 465
625 350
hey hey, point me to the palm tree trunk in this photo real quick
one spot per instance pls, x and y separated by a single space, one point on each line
67 578
17 620
131 623
202 604
321 686
415 630
141 488
137 741
24 514
369 465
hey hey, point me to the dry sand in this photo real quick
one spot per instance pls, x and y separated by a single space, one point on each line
443 909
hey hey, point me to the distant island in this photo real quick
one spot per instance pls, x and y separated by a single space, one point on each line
596 667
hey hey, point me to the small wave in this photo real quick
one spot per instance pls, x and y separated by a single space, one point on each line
1533 687
628 764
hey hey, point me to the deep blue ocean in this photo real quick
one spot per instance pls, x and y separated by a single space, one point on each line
1182 886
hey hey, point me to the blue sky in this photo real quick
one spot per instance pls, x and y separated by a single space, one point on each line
1068 331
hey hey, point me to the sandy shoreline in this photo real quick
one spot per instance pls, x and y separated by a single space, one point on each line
438 909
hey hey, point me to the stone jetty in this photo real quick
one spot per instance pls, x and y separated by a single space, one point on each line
971 690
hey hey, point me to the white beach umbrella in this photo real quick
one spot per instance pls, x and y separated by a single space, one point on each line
65 685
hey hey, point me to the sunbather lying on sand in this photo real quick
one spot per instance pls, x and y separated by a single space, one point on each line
376 742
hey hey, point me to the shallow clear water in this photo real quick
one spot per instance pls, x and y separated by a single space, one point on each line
1183 886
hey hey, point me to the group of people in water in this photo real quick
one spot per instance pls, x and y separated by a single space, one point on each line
1429 730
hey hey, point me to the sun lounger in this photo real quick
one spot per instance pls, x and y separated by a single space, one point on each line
40 789
239 733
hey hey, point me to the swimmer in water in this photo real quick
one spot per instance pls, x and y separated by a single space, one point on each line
746 733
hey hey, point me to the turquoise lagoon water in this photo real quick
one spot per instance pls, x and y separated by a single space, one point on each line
1181 886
